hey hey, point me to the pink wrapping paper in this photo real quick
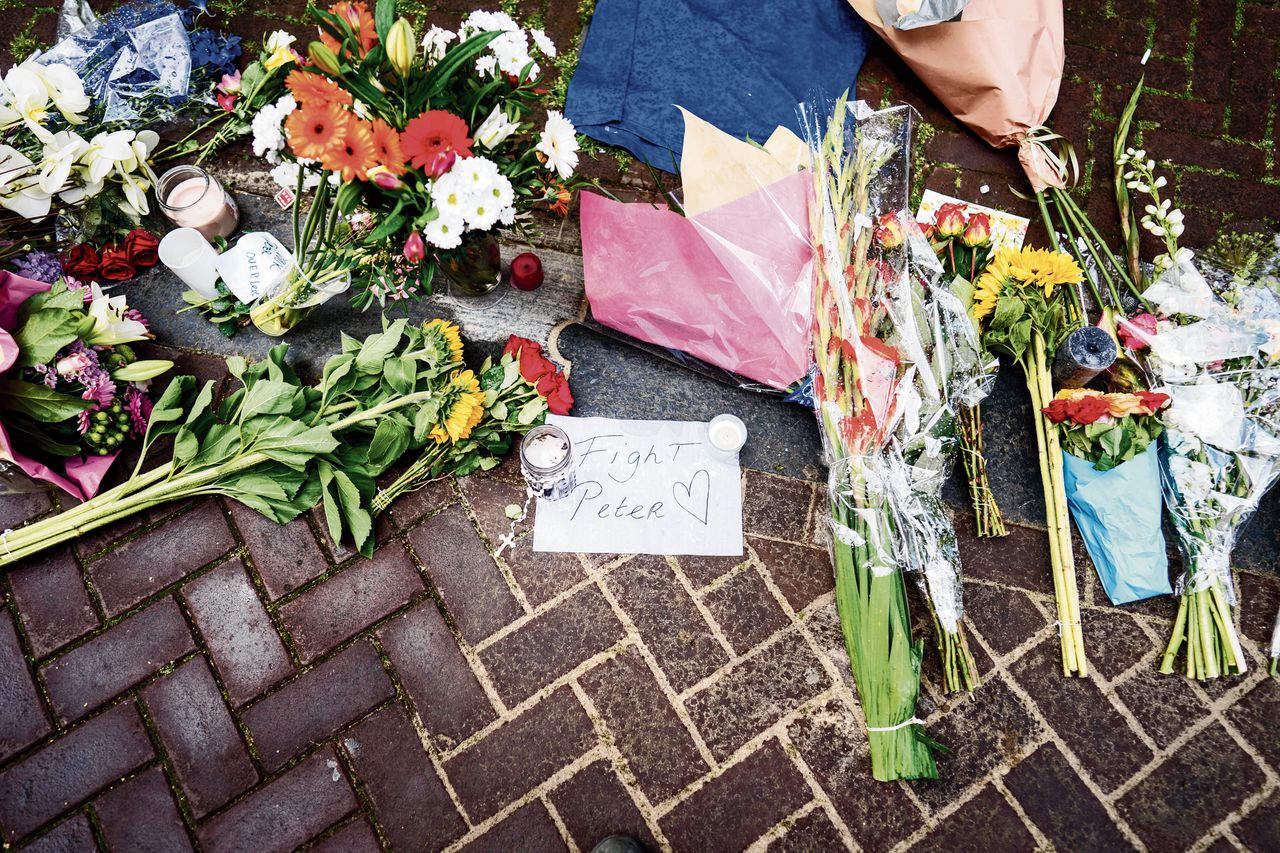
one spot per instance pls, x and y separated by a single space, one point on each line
80 478
731 286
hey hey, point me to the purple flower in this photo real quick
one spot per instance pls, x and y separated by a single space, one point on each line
82 420
39 266
101 391
138 405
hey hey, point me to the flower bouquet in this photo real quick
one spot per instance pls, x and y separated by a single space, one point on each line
1026 304
962 241
281 446
1112 474
505 401
1216 356
73 393
857 171
427 146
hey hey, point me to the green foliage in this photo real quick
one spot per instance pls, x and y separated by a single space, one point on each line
1108 445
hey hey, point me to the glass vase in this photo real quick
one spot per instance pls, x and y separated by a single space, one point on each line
297 294
474 269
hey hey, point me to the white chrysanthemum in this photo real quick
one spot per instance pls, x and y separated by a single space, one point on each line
512 51
435 42
482 212
544 43
508 216
475 174
500 191
286 175
449 193
558 142
486 22
268 128
487 65
445 231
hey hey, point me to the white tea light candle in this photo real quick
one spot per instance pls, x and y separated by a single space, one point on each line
727 433
189 256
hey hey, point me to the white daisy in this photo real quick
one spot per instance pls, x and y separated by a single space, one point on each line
482 212
558 142
449 193
445 231
476 174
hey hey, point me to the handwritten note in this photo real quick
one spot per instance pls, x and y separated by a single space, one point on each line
644 487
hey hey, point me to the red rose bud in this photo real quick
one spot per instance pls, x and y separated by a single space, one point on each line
889 232
1088 409
978 232
950 220
414 249
142 248
116 265
82 261
526 271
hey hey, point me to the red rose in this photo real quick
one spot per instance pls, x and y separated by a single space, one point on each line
141 247
950 220
82 261
1088 409
1135 332
547 383
533 367
116 265
1057 411
560 400
515 344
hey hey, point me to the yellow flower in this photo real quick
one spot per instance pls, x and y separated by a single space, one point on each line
1043 269
448 333
464 413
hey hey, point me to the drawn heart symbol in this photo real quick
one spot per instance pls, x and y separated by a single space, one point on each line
696 492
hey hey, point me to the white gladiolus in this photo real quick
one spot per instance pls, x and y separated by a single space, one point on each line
435 42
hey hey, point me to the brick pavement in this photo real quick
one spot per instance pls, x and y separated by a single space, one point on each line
202 679
191 682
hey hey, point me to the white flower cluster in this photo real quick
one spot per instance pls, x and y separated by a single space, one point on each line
471 196
509 53
1160 218
268 129
69 167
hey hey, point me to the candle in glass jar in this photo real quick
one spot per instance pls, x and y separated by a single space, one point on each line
546 451
546 460
192 198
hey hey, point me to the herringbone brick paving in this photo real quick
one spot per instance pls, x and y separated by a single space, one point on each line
269 694
199 678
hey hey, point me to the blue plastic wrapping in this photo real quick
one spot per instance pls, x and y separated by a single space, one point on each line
1118 514
134 55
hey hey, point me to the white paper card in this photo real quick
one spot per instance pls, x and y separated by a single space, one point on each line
644 487
1007 230
254 265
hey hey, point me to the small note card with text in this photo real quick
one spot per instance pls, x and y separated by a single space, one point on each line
644 487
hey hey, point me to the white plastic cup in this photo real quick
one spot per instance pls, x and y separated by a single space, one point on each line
727 433
190 257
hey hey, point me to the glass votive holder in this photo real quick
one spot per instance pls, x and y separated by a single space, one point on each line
546 461
190 197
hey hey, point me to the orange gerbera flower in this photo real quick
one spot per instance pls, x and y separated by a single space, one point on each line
315 129
359 19
433 134
354 155
310 88
386 142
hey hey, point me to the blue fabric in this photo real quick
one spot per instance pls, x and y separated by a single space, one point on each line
742 65
1118 513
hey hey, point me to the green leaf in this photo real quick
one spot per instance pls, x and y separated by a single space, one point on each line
383 17
348 197
141 371
185 447
40 402
499 411
390 440
268 397
376 348
424 419
529 411
44 333
236 366
401 374
357 518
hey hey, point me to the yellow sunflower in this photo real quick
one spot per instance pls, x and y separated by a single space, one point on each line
446 335
1043 269
465 409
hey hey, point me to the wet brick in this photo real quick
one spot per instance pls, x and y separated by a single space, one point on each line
140 816
52 600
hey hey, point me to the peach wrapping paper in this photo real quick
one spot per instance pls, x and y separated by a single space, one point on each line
997 69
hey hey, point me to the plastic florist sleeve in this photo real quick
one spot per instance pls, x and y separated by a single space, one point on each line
730 282
1218 357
